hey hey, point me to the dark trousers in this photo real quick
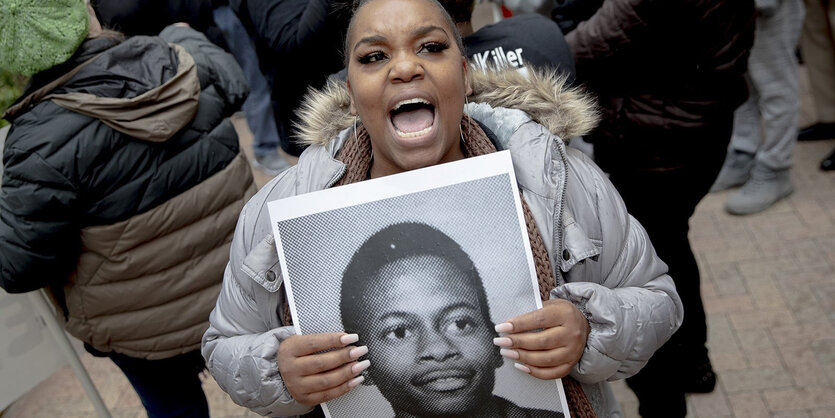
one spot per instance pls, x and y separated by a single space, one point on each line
662 180
169 387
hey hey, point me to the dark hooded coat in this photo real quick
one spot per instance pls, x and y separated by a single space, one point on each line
123 182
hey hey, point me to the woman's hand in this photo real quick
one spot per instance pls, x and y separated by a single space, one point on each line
314 377
552 352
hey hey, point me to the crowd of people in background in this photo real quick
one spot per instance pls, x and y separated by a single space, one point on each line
123 179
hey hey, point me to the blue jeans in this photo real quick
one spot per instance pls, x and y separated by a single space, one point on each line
258 106
169 387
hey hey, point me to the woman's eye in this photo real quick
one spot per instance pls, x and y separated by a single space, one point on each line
460 326
372 57
398 333
433 47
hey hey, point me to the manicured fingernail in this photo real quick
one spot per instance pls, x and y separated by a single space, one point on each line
522 367
358 352
511 354
504 327
502 342
359 367
349 338
356 381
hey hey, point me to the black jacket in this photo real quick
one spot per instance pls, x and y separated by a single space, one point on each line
664 64
65 171
123 182
299 44
149 17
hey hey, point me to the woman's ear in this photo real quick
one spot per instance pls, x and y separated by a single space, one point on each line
468 86
353 108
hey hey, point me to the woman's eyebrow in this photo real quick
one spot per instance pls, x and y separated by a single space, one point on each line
373 39
423 30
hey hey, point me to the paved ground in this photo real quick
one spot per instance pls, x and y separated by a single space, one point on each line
769 291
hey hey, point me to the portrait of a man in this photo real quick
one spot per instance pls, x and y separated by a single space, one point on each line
418 300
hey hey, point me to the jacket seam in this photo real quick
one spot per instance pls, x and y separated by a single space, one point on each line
45 163
234 199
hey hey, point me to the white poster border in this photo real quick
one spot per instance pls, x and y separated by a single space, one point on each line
414 181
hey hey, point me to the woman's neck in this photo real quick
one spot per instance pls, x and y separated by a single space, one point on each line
379 169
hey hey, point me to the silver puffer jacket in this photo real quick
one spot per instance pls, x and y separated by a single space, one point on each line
602 257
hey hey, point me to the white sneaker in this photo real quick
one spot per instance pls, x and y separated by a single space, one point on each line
763 189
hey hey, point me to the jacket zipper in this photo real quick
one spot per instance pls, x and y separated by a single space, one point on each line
558 228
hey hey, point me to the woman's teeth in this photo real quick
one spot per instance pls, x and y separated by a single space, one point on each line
409 101
412 118
421 132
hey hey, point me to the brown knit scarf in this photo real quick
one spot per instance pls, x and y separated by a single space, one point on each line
356 155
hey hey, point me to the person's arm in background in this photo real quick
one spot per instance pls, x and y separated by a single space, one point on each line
286 25
611 31
39 237
569 13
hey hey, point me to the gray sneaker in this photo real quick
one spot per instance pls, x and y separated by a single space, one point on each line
272 163
763 189
735 172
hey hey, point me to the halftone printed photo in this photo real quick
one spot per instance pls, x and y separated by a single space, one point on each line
421 265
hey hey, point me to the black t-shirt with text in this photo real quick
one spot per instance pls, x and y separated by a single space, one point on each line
519 42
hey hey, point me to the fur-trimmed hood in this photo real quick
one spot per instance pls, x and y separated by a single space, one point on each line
565 111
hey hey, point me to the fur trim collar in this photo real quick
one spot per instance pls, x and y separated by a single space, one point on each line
564 111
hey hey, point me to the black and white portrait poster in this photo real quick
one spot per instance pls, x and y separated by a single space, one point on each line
421 265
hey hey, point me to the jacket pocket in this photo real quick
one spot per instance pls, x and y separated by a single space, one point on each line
578 247
261 265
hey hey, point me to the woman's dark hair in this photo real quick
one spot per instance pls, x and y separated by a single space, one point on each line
459 10
358 4
396 242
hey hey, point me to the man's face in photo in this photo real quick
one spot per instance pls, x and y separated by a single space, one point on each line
429 337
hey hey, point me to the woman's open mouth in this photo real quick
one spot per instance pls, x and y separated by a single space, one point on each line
413 118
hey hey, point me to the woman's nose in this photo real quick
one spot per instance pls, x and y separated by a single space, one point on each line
406 68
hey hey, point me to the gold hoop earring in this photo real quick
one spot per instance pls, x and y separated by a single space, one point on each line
356 136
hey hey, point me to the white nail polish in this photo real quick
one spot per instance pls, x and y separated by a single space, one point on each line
349 338
504 327
522 367
356 381
511 354
359 367
358 352
503 342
